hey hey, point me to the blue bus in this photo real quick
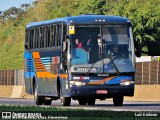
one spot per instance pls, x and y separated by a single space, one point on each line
84 58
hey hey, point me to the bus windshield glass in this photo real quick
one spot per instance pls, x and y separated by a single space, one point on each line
96 48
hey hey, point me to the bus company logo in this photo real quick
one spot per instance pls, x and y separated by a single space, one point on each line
6 115
81 78
86 69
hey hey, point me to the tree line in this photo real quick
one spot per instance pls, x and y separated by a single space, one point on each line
144 14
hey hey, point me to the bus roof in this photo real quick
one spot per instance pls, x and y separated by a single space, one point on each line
83 19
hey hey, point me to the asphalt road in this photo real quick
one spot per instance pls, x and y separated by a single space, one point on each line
100 105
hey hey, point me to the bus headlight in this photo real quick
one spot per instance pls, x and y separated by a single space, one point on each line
126 82
77 83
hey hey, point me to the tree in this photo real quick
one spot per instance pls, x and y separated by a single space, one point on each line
61 8
24 6
12 12
145 18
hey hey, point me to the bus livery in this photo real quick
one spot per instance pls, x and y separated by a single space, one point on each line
84 58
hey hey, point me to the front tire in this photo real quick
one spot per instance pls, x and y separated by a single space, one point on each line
91 102
39 100
82 101
118 100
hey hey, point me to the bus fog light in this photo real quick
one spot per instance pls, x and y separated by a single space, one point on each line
125 82
77 83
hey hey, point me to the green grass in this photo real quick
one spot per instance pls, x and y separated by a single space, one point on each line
75 114
11 56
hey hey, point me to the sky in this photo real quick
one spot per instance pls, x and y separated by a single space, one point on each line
6 4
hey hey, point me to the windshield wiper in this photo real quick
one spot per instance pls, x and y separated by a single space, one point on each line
108 56
112 63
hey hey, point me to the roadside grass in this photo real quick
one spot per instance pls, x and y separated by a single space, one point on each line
11 56
74 114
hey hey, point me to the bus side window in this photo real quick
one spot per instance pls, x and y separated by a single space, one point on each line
51 37
60 35
27 39
47 36
31 38
40 37
56 36
43 37
35 39
37 42
63 32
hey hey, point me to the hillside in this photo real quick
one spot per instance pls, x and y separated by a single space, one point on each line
145 18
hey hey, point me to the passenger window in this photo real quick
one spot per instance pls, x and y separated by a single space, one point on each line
48 36
31 38
43 38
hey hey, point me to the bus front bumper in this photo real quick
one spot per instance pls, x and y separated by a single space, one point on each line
100 92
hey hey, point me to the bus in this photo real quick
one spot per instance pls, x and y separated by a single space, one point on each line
83 58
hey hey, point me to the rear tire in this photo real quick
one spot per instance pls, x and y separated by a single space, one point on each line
39 100
65 101
47 102
118 101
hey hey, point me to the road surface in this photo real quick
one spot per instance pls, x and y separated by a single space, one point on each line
100 105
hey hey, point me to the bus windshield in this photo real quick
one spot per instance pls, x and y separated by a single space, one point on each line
96 48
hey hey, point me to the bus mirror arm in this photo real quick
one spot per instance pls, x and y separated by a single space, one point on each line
65 43
64 46
68 52
138 47
26 46
67 37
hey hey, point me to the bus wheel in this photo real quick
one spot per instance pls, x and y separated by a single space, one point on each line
39 100
91 102
65 101
82 102
47 102
118 100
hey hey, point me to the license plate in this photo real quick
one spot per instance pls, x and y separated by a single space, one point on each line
102 91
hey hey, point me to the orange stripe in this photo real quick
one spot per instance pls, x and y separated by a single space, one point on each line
49 75
39 62
36 55
39 66
40 70
95 83
101 81
46 74
64 75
